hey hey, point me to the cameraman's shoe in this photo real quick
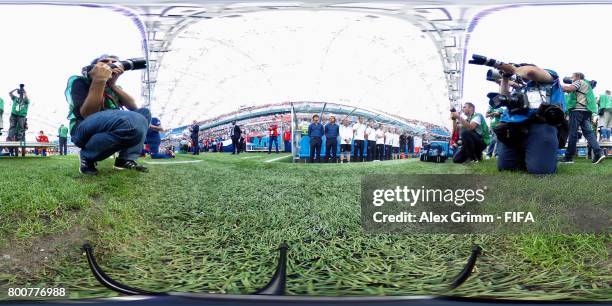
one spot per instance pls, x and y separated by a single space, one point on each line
87 167
598 158
122 164
567 160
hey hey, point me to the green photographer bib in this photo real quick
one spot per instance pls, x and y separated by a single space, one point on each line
572 100
20 108
605 101
110 99
486 134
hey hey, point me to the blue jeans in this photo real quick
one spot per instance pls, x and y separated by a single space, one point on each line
537 153
493 145
287 146
580 119
102 134
605 134
275 140
154 151
63 145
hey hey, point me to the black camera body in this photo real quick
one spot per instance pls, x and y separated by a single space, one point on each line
568 80
551 114
516 102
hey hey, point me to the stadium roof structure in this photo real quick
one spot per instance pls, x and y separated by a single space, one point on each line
166 25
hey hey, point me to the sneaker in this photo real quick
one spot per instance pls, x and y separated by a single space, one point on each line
468 161
598 158
566 160
122 164
87 167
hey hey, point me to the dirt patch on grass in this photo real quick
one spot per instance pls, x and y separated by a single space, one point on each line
27 260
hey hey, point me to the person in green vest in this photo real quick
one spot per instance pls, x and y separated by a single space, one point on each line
581 105
104 118
62 132
494 114
1 115
474 134
19 112
605 115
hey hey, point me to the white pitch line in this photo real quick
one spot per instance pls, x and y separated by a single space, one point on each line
174 162
251 157
278 158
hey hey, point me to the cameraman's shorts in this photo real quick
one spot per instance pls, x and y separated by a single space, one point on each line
537 153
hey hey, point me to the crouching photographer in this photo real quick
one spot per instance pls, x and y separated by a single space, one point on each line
104 119
474 134
532 126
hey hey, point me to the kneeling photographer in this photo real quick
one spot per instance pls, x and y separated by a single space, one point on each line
474 134
98 124
532 126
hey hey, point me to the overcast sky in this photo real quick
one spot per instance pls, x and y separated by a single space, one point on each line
270 57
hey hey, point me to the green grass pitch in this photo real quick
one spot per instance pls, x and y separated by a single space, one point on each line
213 226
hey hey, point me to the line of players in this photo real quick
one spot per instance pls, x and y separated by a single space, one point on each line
371 142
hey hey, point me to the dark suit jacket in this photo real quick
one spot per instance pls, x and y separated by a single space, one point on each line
194 130
237 132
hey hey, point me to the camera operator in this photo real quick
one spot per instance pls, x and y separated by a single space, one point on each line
605 115
474 134
493 113
581 105
19 112
1 115
526 139
98 124
62 133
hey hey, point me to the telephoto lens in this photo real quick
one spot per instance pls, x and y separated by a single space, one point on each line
131 64
483 60
128 64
